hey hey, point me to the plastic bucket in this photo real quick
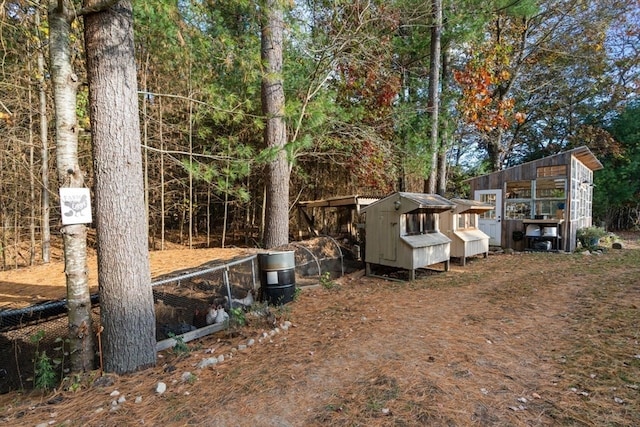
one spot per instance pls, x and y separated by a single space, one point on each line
277 276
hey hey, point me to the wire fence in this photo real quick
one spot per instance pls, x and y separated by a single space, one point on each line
181 301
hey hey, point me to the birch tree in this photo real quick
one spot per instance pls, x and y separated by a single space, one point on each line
65 87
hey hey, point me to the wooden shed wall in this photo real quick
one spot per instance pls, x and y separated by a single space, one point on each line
528 172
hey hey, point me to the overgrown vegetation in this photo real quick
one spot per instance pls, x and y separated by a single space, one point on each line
590 237
45 375
180 348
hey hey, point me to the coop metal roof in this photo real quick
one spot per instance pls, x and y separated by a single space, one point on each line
349 200
471 206
425 240
408 202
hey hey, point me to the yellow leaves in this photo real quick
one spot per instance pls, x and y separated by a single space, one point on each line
6 117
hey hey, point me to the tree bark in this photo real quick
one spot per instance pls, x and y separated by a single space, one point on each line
434 88
126 298
273 101
65 85
45 229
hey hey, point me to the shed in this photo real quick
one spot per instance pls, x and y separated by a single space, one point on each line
539 204
337 216
461 226
402 230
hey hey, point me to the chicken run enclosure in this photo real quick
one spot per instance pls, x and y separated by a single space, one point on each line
182 299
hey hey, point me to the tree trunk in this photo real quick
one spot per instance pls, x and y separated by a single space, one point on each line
277 200
446 132
126 299
434 86
494 152
32 178
65 84
45 229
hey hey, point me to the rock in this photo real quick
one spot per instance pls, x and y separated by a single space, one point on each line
138 399
104 381
616 245
161 388
251 342
121 400
207 362
186 376
115 393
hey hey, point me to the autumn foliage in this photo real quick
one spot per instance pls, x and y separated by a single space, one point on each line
484 82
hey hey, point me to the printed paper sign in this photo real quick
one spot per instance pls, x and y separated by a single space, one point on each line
75 206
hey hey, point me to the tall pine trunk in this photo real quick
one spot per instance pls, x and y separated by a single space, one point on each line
276 231
434 89
126 299
65 86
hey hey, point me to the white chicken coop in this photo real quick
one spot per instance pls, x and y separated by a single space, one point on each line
402 230
461 226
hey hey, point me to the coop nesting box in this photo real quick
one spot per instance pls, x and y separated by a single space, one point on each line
402 231
461 226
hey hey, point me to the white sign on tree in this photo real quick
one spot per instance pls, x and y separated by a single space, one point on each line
75 206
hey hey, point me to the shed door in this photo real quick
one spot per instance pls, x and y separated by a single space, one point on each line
491 221
389 235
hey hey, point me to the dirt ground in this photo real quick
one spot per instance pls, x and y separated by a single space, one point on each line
534 339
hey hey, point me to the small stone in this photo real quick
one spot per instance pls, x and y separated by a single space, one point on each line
161 388
251 342
138 399
122 399
207 362
186 376
42 425
114 403
242 347
288 324
115 393
221 358
97 411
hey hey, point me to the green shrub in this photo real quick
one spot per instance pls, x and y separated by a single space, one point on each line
590 236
